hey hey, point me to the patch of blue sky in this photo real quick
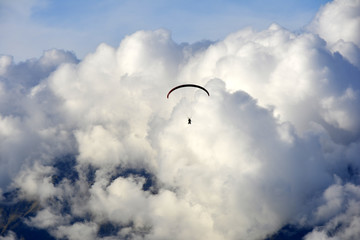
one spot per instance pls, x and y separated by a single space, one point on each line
137 14
82 25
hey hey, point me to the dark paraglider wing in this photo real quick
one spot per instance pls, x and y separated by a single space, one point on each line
187 85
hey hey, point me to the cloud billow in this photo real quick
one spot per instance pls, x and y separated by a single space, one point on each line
276 143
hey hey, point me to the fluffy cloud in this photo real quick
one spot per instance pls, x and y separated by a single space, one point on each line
276 143
29 125
338 20
338 23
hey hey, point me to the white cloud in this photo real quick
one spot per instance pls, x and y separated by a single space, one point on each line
77 231
29 125
47 219
338 20
36 182
338 23
261 152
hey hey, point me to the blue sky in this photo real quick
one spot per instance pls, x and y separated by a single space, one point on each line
28 28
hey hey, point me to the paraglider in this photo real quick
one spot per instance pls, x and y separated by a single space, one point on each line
188 85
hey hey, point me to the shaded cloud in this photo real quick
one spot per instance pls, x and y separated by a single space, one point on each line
340 211
9 236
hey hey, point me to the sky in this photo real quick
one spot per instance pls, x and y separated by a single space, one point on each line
86 130
32 26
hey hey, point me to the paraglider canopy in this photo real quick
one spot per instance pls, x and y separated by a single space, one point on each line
187 85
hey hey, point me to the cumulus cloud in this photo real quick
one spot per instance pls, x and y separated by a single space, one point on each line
338 23
29 124
338 20
97 143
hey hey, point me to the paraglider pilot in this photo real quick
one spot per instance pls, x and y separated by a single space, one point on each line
189 120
